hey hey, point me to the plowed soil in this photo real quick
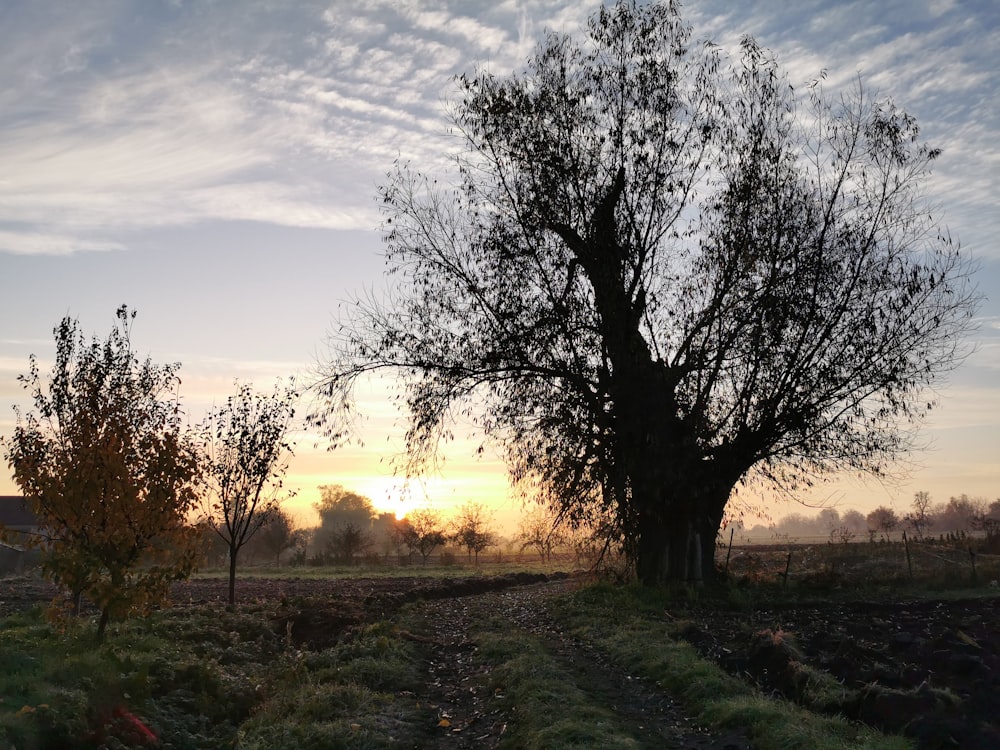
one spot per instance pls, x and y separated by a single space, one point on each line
928 669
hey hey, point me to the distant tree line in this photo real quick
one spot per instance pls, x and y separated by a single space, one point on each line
351 530
958 516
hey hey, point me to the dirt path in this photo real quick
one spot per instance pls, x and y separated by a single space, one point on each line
477 719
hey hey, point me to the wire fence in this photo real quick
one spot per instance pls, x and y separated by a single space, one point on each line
956 560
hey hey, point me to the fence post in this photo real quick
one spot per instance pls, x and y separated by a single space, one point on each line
972 556
788 565
725 572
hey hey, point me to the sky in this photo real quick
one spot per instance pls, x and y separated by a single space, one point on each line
214 165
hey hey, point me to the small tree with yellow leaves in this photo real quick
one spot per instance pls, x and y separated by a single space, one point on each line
106 464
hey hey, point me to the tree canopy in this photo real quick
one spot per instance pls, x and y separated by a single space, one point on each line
472 529
345 529
660 272
421 531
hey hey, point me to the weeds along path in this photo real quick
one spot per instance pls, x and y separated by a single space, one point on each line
494 660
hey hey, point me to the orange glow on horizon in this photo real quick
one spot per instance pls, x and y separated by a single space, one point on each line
464 477
445 494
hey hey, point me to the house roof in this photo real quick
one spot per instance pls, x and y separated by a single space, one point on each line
14 512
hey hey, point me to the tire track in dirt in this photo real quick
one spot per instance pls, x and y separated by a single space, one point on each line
471 717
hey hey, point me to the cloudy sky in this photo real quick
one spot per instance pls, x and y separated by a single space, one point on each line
213 164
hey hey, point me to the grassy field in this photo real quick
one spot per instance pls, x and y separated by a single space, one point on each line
434 568
201 677
926 564
205 676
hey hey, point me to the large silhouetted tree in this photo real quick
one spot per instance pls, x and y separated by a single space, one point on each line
658 273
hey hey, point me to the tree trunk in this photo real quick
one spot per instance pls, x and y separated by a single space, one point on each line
676 495
678 545
652 551
232 575
102 624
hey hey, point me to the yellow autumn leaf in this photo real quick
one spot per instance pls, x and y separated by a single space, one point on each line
966 639
444 723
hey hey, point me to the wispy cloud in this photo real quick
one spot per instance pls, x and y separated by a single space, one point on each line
39 243
936 59
292 114
117 119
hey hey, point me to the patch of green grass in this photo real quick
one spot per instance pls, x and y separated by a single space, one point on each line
545 708
60 690
628 623
461 568
377 658
34 708
333 715
357 694
200 677
323 735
